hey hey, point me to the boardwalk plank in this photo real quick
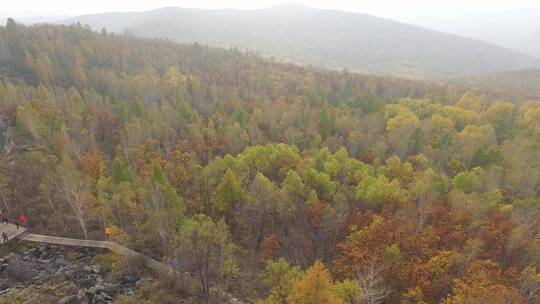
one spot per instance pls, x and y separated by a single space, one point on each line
11 230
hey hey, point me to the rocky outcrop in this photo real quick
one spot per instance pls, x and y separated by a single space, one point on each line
68 275
51 274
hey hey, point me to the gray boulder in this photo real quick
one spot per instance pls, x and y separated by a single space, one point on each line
69 300
19 270
142 282
87 282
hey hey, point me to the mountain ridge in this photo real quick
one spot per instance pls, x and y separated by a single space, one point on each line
511 28
328 38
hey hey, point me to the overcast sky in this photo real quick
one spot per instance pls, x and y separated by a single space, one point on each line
384 8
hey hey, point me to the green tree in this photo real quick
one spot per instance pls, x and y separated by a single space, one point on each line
263 195
465 181
501 116
348 291
164 207
280 276
229 195
205 247
378 190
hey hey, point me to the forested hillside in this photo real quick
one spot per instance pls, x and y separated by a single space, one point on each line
328 38
518 86
274 182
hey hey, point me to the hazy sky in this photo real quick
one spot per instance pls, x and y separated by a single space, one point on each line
385 8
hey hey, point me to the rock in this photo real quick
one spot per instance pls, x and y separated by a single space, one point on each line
81 294
20 270
92 268
105 296
128 280
66 288
42 253
129 292
69 274
140 283
92 291
11 256
89 295
224 297
78 280
111 288
100 301
87 282
36 253
96 289
69 300
39 280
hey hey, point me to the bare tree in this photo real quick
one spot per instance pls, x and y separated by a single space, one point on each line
76 191
371 284
530 285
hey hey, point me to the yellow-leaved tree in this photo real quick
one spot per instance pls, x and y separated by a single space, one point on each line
315 286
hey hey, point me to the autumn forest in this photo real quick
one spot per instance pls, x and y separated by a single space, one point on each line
273 182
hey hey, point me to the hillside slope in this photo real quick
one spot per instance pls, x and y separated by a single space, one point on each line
327 38
514 85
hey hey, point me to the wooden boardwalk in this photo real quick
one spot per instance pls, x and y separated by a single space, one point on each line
11 231
22 234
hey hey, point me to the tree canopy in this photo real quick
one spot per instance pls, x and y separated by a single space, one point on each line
278 183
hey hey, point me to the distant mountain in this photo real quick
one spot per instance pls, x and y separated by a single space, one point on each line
511 28
327 38
530 44
37 19
515 85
